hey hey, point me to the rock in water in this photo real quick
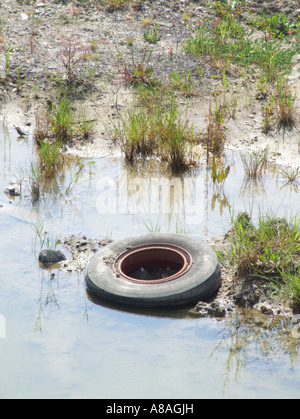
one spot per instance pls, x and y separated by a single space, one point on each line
13 190
50 257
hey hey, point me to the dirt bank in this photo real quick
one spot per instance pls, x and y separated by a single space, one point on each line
33 76
31 38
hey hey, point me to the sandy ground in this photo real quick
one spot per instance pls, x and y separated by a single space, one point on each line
34 34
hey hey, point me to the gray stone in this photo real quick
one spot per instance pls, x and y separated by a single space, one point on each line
50 257
12 190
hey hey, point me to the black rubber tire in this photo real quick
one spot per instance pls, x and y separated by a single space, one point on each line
198 284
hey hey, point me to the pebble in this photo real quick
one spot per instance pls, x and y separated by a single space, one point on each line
213 309
267 311
12 190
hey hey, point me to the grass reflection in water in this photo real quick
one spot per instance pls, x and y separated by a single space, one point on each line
249 336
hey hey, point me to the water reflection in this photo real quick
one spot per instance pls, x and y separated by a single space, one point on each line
166 313
221 200
292 178
52 281
46 298
252 187
249 337
188 356
152 196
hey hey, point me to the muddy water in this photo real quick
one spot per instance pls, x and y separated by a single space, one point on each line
56 342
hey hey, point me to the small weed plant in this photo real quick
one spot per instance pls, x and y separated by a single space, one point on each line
57 127
269 249
113 5
175 137
85 127
152 35
45 242
71 52
255 163
59 177
280 107
215 135
137 70
268 117
181 82
51 159
157 132
229 8
62 121
133 133
290 288
35 182
7 61
292 177
152 96
284 103
59 124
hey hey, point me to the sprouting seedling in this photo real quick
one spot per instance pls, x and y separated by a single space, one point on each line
42 235
70 54
152 35
7 57
292 177
19 78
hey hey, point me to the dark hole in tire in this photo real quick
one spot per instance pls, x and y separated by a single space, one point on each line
153 263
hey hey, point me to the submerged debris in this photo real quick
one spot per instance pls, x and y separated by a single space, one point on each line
81 250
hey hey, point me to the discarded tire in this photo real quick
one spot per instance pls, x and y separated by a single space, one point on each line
154 270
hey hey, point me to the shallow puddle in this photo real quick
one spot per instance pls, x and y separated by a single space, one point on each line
57 341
